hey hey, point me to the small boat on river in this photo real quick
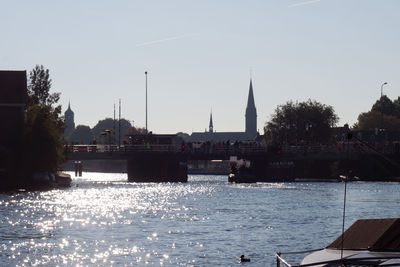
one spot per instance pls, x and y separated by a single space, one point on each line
368 242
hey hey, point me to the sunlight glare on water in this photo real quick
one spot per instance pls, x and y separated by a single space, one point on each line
104 220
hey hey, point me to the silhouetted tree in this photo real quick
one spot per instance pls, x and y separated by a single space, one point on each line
396 104
43 127
82 134
385 114
375 120
294 122
39 88
384 105
184 136
108 124
136 130
43 143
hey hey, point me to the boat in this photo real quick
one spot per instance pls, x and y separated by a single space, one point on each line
62 179
367 242
246 171
48 181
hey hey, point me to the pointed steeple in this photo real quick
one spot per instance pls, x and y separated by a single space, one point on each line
250 99
251 114
69 111
211 126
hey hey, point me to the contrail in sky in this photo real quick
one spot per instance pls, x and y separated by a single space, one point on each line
167 39
305 3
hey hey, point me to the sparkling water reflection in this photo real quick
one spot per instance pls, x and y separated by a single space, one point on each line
103 220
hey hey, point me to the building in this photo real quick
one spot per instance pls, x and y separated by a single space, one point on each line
13 97
69 121
249 134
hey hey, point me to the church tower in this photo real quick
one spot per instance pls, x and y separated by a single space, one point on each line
211 126
69 121
251 114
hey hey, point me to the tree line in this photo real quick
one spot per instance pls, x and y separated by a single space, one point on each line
384 114
104 132
313 121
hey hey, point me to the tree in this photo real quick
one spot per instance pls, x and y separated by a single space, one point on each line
82 134
108 124
385 114
136 130
43 144
184 136
293 122
396 104
375 120
384 105
43 127
39 88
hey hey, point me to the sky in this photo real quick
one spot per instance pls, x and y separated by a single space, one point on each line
200 55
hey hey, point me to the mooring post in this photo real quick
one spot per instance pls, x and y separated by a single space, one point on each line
76 168
80 168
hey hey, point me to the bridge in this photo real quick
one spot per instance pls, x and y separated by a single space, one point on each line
167 163
212 152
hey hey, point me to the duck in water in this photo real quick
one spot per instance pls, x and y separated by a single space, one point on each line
243 259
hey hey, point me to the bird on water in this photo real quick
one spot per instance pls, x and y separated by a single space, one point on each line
243 259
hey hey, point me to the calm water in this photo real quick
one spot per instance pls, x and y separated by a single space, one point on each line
102 220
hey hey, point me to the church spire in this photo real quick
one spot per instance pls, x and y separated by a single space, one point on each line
250 99
251 114
210 126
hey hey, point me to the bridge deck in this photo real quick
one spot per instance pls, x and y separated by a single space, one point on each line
222 152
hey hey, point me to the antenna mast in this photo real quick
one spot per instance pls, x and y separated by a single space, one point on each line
146 99
119 124
114 126
349 136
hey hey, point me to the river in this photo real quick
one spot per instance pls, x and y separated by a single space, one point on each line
102 220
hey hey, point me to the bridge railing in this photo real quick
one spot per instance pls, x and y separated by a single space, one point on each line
91 148
339 148
150 148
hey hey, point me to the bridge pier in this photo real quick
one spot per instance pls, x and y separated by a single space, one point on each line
157 168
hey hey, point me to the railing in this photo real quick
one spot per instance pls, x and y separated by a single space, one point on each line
219 149
358 261
164 148
150 148
123 149
280 260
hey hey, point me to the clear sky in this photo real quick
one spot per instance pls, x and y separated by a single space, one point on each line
199 53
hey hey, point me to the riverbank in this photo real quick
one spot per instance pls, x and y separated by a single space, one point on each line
38 181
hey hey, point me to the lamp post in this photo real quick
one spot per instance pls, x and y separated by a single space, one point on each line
145 73
382 88
382 104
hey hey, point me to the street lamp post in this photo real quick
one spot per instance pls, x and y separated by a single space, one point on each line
382 88
146 98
